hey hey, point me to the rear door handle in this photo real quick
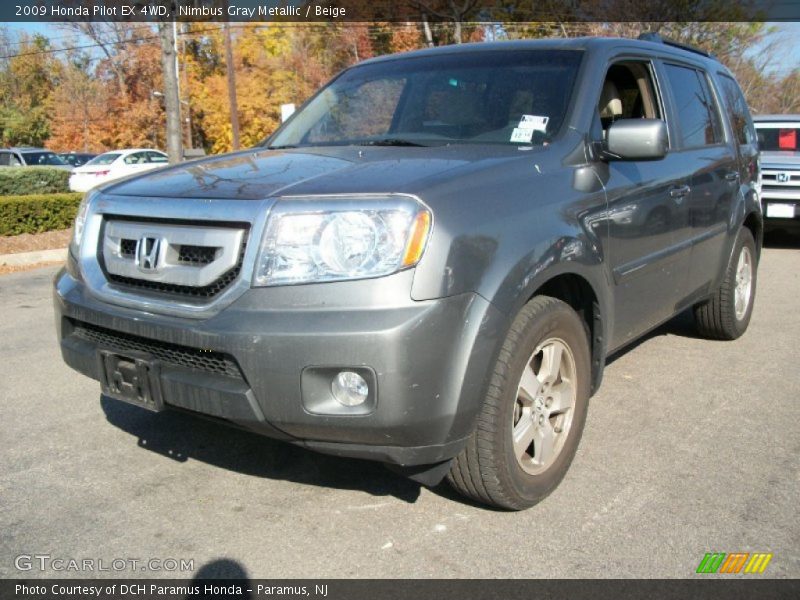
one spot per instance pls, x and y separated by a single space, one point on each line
680 192
732 176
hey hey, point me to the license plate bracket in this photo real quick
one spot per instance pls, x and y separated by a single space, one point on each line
131 379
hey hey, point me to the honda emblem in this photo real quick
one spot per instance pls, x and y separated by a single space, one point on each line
147 253
783 177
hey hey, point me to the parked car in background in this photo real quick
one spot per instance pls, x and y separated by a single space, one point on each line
31 157
76 159
115 165
779 142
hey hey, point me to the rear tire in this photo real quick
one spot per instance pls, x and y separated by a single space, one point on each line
726 315
534 410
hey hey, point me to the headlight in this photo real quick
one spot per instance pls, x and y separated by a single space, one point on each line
80 222
332 239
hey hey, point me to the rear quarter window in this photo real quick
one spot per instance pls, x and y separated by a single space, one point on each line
155 157
736 107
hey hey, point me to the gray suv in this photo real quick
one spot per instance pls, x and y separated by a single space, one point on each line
430 262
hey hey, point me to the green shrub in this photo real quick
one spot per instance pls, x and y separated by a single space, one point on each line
21 181
36 214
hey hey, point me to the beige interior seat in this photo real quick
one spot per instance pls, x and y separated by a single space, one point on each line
610 101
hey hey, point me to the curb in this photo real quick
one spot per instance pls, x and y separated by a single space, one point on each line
22 259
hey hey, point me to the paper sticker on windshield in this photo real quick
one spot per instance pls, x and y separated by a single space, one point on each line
534 122
521 135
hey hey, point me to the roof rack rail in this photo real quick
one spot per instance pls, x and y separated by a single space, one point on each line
651 36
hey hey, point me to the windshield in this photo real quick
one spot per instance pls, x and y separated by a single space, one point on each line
778 138
104 159
37 159
492 97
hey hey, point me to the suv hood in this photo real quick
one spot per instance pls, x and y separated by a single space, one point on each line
260 173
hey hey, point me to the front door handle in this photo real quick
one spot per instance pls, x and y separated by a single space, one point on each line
680 192
732 176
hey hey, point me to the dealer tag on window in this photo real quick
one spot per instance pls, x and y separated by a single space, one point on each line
534 122
528 124
522 136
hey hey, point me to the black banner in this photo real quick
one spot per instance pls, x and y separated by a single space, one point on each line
400 10
363 589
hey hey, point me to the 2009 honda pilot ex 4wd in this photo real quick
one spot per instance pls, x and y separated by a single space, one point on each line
428 264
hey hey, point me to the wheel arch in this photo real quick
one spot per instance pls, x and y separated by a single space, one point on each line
576 291
755 224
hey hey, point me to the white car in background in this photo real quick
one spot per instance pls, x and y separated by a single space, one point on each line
115 165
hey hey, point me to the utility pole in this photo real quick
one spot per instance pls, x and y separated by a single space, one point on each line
232 86
427 30
187 95
172 102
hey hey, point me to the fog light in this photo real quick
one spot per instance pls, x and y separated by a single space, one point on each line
349 389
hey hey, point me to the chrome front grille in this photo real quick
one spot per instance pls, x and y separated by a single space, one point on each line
195 262
780 183
782 177
197 255
200 293
108 238
127 248
187 254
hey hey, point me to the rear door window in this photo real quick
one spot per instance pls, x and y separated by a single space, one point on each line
697 112
104 159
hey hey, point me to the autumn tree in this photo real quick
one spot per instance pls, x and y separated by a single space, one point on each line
276 63
27 79
105 99
269 72
121 109
79 102
787 95
111 39
406 37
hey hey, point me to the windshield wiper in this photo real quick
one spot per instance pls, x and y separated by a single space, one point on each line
284 147
390 142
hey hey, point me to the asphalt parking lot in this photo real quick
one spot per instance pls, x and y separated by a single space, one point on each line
691 446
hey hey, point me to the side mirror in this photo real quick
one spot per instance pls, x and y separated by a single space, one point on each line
636 139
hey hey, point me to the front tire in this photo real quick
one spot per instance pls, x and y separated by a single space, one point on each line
533 413
726 315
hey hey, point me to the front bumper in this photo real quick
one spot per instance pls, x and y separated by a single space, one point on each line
428 361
